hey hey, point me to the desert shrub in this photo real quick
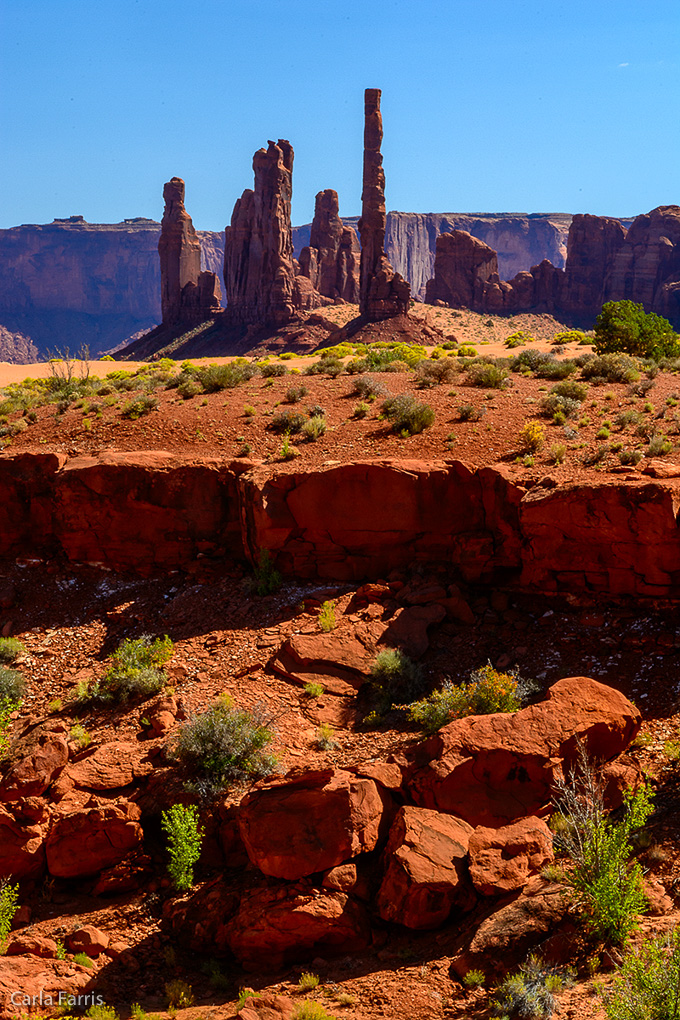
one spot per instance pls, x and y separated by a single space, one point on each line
311 1010
295 393
485 373
625 326
659 446
395 677
270 371
326 617
214 378
474 979
407 415
324 737
225 744
135 670
626 418
136 408
266 578
366 386
611 368
287 451
571 389
530 993
10 649
531 436
487 691
630 457
557 453
519 339
101 1012
554 404
179 994
83 960
189 388
313 690
555 369
468 412
287 421
641 388
308 981
648 985
12 686
531 360
314 428
569 336
361 410
467 351
9 904
609 884
396 366
433 373
180 824
79 735
317 411
328 364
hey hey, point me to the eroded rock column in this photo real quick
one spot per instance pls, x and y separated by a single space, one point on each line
187 294
331 261
384 293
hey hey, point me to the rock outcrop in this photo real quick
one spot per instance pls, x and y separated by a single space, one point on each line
462 267
591 247
646 267
383 293
188 296
331 260
259 273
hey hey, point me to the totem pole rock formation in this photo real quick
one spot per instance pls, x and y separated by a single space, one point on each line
331 260
187 294
259 271
383 293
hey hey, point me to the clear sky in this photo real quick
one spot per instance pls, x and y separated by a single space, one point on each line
488 105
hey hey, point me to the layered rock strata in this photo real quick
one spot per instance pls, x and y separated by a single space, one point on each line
187 295
383 292
331 260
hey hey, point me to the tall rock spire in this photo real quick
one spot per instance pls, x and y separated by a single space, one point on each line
384 293
187 294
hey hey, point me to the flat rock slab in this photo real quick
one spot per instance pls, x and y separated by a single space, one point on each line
340 661
111 766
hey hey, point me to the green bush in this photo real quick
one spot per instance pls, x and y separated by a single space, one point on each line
180 824
10 649
610 368
487 374
9 904
623 326
648 985
224 745
136 408
326 616
314 428
287 421
12 686
295 393
487 691
366 386
276 369
407 415
214 378
433 373
395 677
571 389
468 412
609 883
311 1010
135 670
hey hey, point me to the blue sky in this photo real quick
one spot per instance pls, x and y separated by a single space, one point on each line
488 106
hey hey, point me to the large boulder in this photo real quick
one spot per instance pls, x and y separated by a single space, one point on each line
32 774
310 822
493 769
110 766
29 982
503 860
425 873
85 841
22 839
281 923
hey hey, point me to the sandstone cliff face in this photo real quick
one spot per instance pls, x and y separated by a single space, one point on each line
592 244
95 282
462 266
383 293
331 260
646 267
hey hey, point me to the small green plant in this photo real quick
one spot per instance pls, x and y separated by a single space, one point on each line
648 985
361 410
80 736
659 446
530 993
326 617
314 428
266 578
313 690
243 996
179 993
83 960
185 836
407 415
136 408
488 375
248 411
287 451
10 649
224 745
324 737
9 904
288 422
474 979
468 412
294 394
557 453
244 450
102 1012
311 1010
136 669
602 433
61 950
137 1013
11 686
308 981
395 677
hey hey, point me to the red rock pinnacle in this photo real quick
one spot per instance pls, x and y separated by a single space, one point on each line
187 294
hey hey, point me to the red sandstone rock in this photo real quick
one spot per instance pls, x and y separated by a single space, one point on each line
592 244
84 842
258 252
88 940
331 261
110 766
340 661
408 629
32 775
269 1007
383 293
502 860
462 266
493 769
39 981
187 294
23 826
33 945
309 822
424 869
281 923
646 267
